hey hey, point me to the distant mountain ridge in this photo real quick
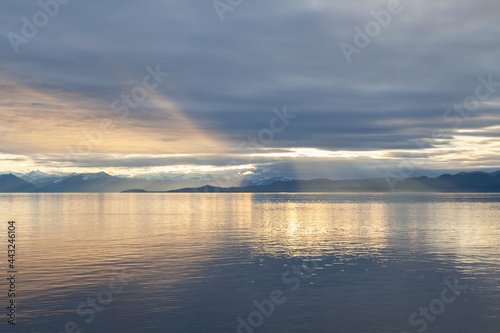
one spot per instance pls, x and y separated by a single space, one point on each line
102 182
39 178
11 183
463 182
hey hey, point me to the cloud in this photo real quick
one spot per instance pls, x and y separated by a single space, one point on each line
226 77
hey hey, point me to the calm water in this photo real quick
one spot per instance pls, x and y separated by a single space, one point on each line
198 262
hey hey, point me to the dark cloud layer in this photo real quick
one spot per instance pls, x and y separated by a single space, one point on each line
226 77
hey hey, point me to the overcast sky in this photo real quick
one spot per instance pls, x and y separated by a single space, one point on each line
282 87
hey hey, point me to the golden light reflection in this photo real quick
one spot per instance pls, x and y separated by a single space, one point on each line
89 235
308 229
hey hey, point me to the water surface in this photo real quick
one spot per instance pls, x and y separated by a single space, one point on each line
198 262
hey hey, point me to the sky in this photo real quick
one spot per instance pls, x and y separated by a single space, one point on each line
300 89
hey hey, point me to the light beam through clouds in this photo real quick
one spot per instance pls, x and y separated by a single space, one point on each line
356 120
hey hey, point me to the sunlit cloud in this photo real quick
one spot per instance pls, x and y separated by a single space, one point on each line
313 152
494 102
64 125
225 79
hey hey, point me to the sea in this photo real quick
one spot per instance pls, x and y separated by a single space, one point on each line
245 263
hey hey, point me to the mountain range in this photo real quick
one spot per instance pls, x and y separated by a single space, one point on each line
101 182
463 182
39 182
11 183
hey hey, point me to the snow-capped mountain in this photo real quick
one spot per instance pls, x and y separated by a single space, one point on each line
267 181
39 178
90 176
102 182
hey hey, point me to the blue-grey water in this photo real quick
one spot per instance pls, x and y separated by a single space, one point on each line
207 262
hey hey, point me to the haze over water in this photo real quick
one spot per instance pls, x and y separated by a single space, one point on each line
197 262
